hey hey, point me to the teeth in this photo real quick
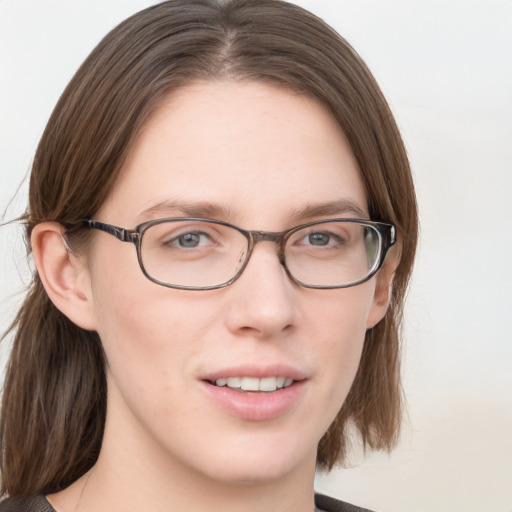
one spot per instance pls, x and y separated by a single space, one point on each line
268 384
255 384
234 382
250 384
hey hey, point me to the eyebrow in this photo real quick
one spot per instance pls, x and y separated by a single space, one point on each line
340 207
209 210
202 209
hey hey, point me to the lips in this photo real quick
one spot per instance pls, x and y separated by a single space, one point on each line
255 393
258 371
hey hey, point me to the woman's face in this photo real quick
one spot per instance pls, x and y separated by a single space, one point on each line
262 158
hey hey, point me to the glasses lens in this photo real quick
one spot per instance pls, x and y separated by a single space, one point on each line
333 253
192 253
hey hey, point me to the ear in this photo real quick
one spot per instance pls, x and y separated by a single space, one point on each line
64 275
383 288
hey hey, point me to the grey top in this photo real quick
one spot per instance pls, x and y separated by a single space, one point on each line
36 504
40 504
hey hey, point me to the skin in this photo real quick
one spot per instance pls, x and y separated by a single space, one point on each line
261 153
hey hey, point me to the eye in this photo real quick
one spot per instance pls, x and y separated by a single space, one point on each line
189 240
322 239
319 238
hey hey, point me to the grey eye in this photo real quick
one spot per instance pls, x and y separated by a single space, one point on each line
319 238
189 240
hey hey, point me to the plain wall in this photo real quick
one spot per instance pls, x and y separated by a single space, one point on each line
446 69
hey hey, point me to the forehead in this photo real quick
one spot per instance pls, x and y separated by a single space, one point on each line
251 149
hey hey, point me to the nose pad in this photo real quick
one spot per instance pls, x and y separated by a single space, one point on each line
262 299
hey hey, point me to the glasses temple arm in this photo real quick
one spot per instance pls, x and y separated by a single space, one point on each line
122 234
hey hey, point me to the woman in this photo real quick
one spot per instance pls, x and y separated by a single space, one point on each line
223 223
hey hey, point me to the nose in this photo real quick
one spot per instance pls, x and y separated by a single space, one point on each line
262 301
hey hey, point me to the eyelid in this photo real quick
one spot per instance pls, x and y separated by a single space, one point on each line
310 230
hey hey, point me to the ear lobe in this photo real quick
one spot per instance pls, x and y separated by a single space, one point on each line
64 277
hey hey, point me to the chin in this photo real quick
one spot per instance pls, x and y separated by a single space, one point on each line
260 463
250 474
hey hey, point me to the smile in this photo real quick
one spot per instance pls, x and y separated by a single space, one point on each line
256 392
267 384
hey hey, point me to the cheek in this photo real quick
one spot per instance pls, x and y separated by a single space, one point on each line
340 329
151 342
149 333
149 327
341 316
134 314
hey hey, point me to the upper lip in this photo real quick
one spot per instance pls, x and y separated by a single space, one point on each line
258 371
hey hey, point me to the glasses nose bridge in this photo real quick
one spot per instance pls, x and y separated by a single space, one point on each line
269 236
266 236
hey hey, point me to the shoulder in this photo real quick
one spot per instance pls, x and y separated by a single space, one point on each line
35 504
327 504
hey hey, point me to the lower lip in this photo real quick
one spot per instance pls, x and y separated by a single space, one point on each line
256 406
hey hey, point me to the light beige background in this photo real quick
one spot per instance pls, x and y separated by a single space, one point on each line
446 68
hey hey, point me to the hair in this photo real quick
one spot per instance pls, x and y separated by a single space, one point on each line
54 400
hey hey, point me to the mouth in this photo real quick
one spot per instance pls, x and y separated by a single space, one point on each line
256 393
246 384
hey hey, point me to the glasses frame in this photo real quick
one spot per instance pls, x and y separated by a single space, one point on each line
386 232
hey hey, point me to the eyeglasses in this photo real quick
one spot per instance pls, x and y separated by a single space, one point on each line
202 254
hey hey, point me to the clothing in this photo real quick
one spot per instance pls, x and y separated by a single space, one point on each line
37 504
40 504
327 504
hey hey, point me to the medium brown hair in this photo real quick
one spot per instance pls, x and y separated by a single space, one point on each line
54 401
